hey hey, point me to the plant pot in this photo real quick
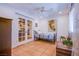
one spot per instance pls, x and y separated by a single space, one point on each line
69 47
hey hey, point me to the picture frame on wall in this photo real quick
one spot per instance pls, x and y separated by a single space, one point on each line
51 25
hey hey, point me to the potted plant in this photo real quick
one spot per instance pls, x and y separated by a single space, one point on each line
68 42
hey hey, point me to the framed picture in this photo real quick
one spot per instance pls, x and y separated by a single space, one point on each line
51 25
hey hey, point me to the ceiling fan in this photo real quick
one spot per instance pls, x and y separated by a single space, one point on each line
41 9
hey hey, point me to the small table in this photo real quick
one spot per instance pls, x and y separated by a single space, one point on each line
62 50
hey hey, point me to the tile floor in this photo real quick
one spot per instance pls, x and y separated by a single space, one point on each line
35 48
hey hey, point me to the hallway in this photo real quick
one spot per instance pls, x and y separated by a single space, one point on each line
35 48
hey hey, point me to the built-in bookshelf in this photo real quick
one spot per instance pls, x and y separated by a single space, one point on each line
29 31
21 29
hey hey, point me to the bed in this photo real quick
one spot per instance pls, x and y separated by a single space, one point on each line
45 36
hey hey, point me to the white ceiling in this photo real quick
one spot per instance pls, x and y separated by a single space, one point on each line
42 10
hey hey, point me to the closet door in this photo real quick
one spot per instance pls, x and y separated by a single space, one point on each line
5 36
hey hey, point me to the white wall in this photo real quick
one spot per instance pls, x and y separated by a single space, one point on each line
42 26
62 26
7 12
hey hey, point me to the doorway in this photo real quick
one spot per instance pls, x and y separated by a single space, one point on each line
5 36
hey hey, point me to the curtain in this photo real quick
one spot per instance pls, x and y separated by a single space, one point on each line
75 33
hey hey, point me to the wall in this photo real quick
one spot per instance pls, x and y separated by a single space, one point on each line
62 26
10 13
42 26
